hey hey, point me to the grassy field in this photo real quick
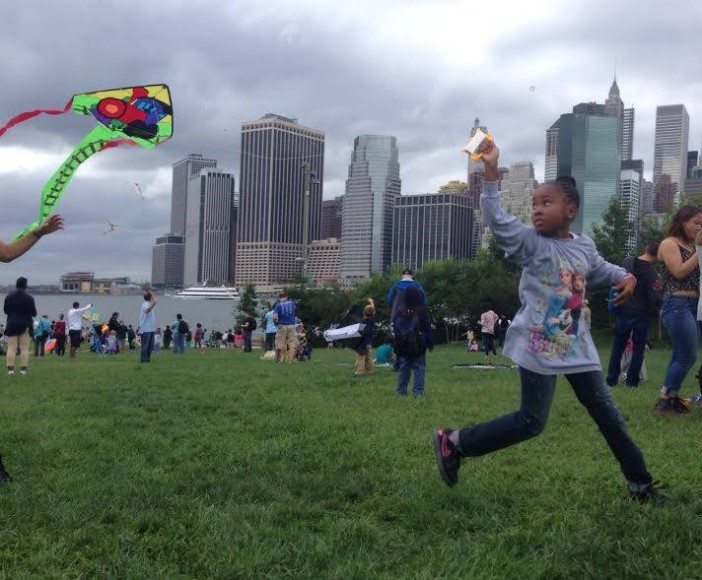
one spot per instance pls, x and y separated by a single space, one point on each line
224 465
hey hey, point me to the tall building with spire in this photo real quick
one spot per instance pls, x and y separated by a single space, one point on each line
614 107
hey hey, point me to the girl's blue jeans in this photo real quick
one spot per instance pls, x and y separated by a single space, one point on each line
679 314
530 420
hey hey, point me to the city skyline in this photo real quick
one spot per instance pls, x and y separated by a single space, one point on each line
330 67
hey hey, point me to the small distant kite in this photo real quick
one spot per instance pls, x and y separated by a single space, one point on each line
532 88
111 227
141 115
139 193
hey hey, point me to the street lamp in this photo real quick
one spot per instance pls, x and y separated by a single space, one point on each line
309 178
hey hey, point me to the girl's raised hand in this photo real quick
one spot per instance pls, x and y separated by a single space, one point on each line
490 152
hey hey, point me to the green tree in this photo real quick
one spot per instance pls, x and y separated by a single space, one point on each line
651 228
247 303
612 234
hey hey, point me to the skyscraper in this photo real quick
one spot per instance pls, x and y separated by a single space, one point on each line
585 145
614 107
167 267
630 196
183 170
518 189
646 196
272 198
211 200
167 261
628 134
670 153
331 217
558 147
691 163
664 193
372 187
431 227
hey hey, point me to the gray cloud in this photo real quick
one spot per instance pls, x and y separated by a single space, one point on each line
365 68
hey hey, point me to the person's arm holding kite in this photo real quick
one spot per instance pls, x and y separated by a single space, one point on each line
14 249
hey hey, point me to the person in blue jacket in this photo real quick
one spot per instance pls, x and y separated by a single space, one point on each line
396 294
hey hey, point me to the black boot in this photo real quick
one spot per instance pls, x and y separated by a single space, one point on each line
4 476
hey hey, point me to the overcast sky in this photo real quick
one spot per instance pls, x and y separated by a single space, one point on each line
419 70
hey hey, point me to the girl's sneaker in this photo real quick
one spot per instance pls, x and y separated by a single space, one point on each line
447 456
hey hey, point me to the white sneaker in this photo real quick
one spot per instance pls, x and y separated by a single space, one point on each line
23 372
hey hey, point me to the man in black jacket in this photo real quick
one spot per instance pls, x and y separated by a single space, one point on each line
634 317
20 309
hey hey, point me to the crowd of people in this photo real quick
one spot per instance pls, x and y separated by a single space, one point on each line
114 336
549 335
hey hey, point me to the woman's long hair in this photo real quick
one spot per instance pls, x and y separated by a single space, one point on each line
685 213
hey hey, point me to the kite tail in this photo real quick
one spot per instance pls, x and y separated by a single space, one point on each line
98 139
22 117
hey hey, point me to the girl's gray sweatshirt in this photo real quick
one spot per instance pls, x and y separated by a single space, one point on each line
548 334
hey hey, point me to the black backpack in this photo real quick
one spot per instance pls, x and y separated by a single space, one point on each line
253 325
183 327
408 337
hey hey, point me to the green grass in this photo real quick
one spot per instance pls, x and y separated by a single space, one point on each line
224 465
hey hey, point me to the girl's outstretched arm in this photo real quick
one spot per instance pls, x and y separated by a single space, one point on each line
518 241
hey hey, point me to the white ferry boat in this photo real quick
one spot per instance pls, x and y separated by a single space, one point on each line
209 292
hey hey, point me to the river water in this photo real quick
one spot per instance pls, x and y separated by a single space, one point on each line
212 314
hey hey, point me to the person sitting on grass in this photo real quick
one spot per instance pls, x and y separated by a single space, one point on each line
384 355
545 252
111 342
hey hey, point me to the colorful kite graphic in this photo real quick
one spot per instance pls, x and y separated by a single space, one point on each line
92 315
133 115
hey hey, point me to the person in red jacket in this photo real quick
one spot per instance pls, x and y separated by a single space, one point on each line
60 336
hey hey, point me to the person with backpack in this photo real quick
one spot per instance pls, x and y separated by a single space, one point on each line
396 294
363 345
248 327
414 335
41 333
180 330
633 318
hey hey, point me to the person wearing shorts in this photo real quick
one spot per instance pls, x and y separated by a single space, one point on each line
285 336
